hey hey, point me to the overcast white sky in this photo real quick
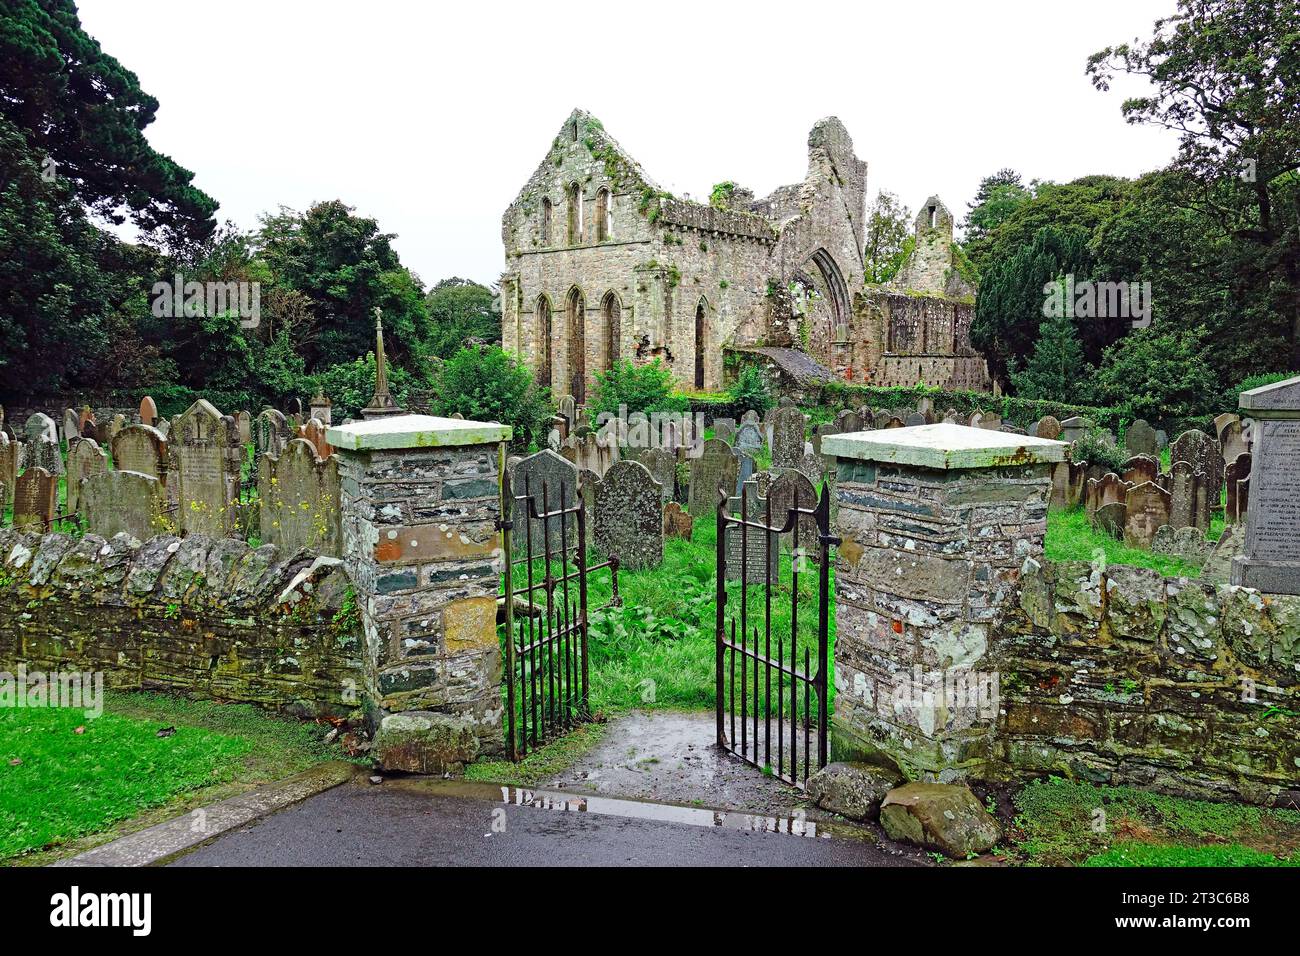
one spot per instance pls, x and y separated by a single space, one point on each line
430 117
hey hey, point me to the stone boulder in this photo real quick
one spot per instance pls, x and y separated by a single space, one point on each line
853 790
420 742
939 816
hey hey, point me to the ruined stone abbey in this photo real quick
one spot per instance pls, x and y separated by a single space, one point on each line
603 265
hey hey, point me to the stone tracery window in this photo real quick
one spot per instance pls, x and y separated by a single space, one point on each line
544 341
547 215
575 214
604 220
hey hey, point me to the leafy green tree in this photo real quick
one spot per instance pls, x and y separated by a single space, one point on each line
351 385
83 110
1009 307
1160 374
485 383
997 198
639 388
888 237
345 268
461 312
1056 369
1226 77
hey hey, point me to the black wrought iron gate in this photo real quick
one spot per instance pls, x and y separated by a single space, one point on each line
544 542
772 683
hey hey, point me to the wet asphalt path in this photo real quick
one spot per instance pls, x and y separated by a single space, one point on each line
396 825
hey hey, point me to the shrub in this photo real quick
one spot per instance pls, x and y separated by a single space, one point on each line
1232 395
1095 449
749 390
1161 375
485 383
351 386
642 388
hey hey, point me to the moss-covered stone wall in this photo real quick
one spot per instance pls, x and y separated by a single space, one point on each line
200 616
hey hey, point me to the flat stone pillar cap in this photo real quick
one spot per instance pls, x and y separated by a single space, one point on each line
414 431
1279 400
944 446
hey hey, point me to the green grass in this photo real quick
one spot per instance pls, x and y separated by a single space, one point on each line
1070 537
66 784
1065 822
1144 854
657 650
545 762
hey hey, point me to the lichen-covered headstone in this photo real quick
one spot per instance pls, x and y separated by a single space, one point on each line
748 547
1140 468
544 473
629 516
85 460
208 458
724 428
1202 453
1146 511
36 497
271 432
142 449
712 473
787 437
125 501
1235 477
299 495
791 490
8 470
42 444
748 438
662 467
1140 439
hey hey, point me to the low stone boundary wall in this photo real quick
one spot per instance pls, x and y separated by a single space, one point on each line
201 616
1124 676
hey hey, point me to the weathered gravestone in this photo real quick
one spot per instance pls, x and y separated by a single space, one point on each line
125 501
8 470
915 419
1202 453
1184 485
1146 512
321 408
208 457
1109 519
314 433
1232 442
846 421
1235 476
271 432
1140 439
749 418
141 449
1140 468
1271 561
677 523
85 460
36 497
662 467
1048 427
713 473
790 490
1072 429
299 495
71 425
748 438
745 468
42 444
244 422
629 518
551 485
148 412
748 546
724 428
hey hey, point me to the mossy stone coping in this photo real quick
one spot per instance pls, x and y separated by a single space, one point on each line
414 431
944 446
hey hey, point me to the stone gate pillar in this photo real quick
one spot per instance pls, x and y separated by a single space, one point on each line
420 503
936 522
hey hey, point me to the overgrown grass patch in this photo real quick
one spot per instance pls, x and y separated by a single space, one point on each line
1065 822
1070 537
64 775
544 762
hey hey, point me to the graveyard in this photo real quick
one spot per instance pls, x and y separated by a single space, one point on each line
703 527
